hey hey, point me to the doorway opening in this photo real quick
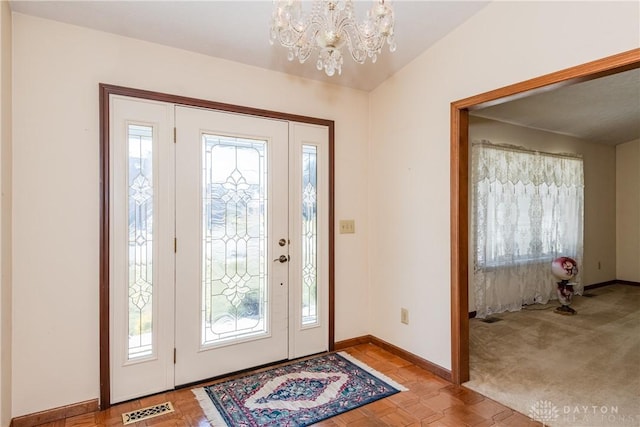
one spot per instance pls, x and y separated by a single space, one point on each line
460 182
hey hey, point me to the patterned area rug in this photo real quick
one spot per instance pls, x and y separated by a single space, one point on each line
298 394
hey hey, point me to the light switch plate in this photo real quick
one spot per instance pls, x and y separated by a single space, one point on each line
347 226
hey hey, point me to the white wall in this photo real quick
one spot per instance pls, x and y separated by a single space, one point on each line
5 214
599 261
628 211
57 68
504 43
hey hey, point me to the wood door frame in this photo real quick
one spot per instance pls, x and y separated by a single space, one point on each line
460 182
105 91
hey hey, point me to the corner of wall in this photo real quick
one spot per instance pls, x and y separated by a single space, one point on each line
5 214
628 211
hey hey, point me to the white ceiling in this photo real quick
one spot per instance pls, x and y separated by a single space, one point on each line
604 110
239 30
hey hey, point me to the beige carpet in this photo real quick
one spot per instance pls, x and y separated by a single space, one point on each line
581 370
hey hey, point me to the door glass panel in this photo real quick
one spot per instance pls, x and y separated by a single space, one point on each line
234 238
140 208
309 235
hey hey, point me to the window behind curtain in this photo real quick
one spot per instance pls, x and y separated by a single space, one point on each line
527 209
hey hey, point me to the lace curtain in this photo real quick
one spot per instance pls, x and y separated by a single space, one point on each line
527 209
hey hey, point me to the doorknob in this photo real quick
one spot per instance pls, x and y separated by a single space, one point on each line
282 258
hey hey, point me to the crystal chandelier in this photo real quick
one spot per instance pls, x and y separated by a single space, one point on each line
330 25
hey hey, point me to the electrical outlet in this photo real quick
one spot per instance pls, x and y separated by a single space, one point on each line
404 316
347 226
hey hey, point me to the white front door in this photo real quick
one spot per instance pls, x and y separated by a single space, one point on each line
248 237
231 211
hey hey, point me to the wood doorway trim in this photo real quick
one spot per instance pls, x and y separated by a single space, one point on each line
105 90
460 182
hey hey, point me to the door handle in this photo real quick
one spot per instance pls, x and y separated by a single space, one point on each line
282 258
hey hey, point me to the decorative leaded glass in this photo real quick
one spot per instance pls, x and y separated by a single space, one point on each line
234 218
140 239
309 235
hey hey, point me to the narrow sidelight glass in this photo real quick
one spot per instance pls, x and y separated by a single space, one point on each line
140 239
309 235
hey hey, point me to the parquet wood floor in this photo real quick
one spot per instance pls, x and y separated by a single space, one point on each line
430 401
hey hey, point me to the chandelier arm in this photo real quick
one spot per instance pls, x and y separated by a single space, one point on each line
354 44
309 35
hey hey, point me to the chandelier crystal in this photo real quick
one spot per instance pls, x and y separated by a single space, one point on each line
331 25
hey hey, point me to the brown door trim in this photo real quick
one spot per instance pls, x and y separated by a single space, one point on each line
460 182
105 91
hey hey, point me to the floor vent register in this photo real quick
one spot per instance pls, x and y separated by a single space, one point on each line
146 413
